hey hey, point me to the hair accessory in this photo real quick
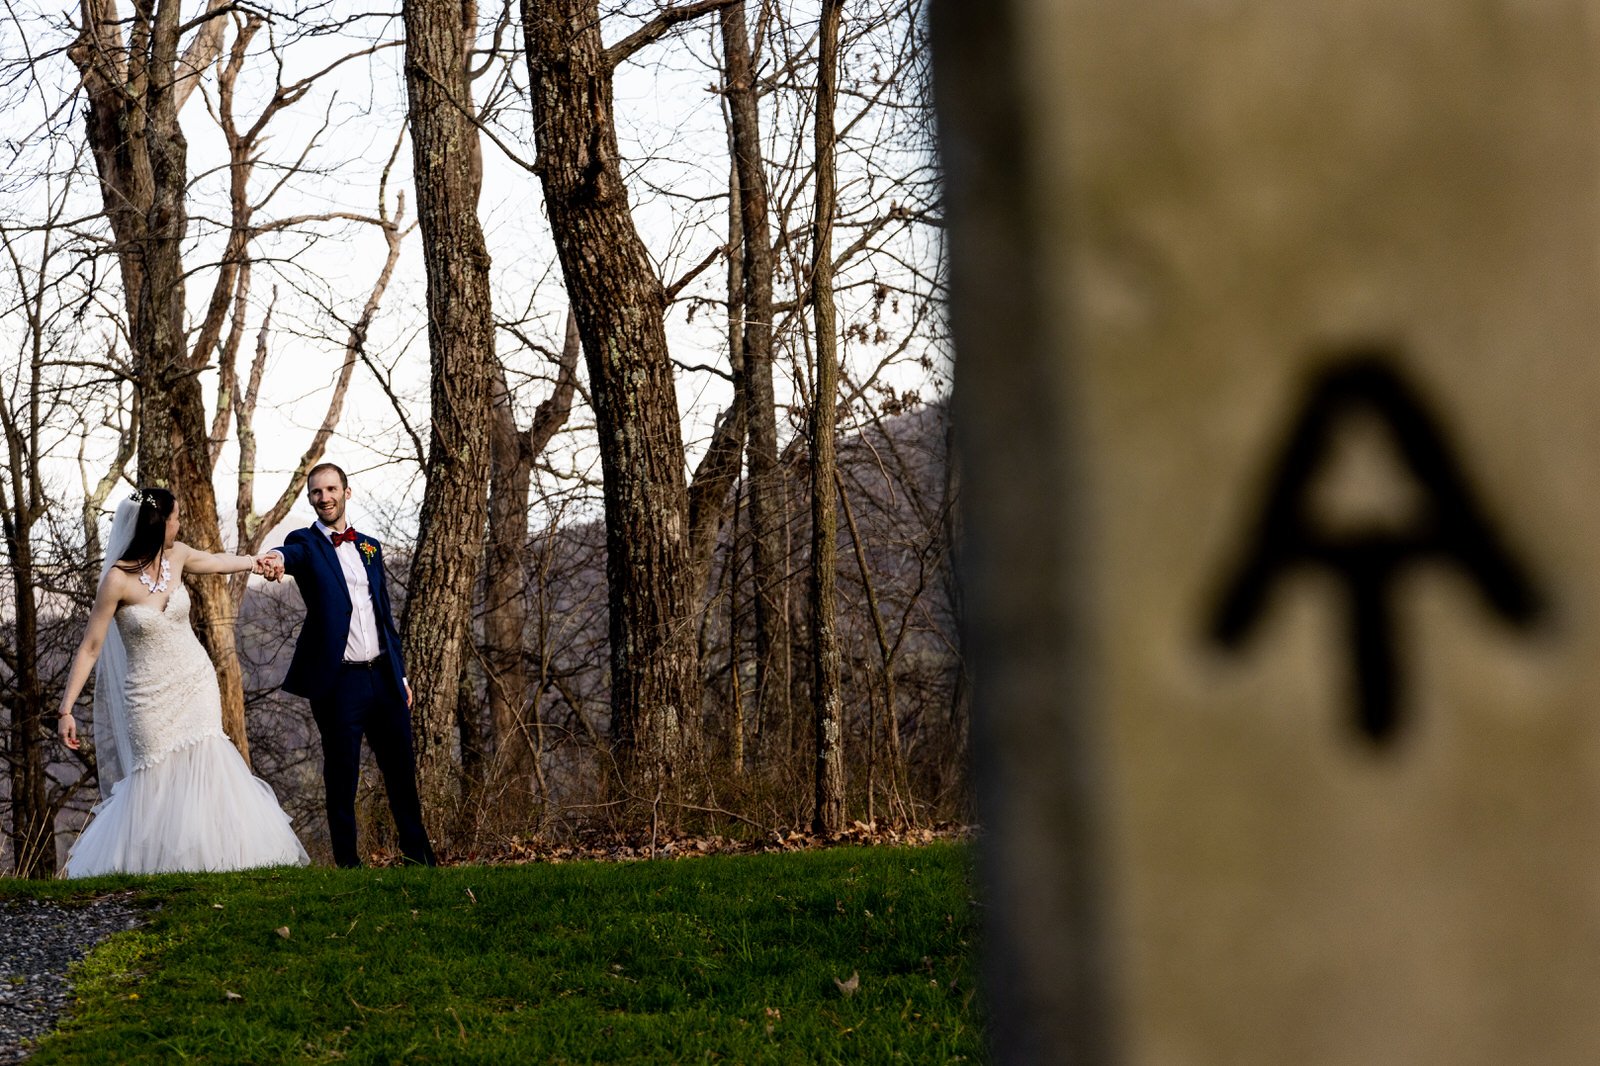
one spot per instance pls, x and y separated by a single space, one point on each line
139 497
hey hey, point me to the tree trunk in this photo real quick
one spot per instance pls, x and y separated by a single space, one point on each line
766 489
505 609
505 613
444 570
135 91
620 303
828 812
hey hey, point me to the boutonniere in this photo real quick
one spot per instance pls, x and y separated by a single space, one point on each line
368 550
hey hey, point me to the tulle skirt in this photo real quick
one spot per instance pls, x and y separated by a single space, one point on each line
198 809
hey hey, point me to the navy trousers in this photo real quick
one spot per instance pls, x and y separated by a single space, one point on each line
364 702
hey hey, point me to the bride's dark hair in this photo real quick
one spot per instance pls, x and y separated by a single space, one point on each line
149 529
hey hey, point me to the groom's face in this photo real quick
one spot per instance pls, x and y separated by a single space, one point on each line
328 497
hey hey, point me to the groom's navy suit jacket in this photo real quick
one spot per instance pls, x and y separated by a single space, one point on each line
310 558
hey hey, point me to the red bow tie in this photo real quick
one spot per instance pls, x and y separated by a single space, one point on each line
349 534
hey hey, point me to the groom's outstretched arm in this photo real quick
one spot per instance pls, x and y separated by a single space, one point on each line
294 555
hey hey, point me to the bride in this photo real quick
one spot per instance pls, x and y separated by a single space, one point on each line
175 793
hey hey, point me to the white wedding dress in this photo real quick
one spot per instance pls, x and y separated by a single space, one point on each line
188 802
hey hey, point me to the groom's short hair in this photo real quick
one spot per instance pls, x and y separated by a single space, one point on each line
344 482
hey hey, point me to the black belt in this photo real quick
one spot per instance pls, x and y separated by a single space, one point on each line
370 664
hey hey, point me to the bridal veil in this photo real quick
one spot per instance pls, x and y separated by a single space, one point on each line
112 752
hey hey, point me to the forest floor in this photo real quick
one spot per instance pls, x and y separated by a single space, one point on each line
848 954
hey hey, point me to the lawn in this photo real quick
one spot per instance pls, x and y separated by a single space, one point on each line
714 959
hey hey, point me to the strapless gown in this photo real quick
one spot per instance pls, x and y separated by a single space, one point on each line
189 801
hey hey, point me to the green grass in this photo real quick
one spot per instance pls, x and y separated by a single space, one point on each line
717 959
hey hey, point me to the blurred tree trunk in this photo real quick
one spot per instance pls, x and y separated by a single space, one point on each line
505 615
620 305
135 89
449 552
828 811
765 485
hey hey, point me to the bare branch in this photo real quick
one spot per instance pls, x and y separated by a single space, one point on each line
482 126
694 272
419 451
552 414
301 220
355 348
202 51
657 27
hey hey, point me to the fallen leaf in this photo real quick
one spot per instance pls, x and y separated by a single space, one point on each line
850 984
283 931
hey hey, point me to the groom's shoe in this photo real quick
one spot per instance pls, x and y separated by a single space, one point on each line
425 857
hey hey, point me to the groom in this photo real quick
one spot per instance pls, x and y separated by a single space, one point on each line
347 663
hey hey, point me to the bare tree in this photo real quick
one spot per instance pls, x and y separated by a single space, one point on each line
767 498
28 405
828 816
505 614
619 303
448 173
238 398
887 698
136 85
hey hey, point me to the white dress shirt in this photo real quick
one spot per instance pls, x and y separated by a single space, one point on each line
362 644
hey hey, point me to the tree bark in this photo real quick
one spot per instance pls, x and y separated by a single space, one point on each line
828 810
620 305
449 552
505 614
765 485
135 90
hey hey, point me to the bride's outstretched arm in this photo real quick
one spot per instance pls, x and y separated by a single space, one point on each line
195 561
94 637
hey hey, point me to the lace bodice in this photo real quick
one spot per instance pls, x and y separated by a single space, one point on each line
172 693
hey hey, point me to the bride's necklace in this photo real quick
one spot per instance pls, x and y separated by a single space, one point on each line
157 586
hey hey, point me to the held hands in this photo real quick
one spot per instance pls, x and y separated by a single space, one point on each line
269 566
